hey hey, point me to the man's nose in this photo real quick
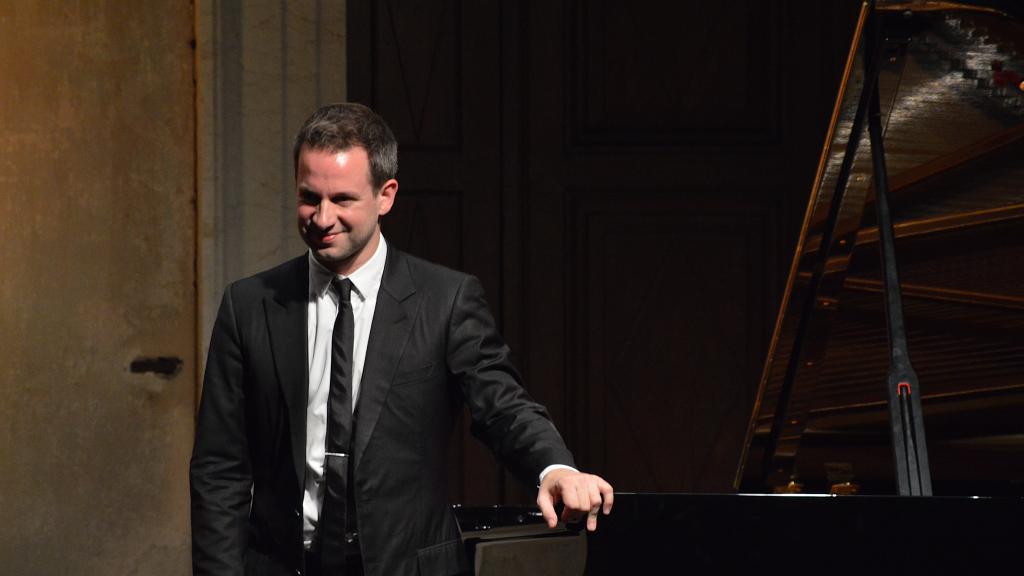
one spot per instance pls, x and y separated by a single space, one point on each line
322 216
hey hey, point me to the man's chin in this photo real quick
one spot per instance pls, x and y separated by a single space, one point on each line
332 258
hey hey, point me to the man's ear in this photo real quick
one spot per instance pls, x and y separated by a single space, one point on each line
386 197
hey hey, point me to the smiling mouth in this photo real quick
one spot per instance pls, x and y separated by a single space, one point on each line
326 239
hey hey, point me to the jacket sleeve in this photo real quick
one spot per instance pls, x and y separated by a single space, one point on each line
515 428
220 472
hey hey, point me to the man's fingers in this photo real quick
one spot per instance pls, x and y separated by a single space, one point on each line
595 498
570 503
571 499
584 499
583 496
607 495
547 509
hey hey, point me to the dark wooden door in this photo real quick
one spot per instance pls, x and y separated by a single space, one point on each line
627 179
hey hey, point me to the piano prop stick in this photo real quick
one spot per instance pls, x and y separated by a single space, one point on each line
910 451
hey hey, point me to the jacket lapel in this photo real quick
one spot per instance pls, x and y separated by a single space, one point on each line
286 311
392 322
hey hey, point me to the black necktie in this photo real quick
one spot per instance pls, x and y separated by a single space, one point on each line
336 524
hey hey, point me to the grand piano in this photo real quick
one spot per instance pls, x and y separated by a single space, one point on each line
817 485
952 120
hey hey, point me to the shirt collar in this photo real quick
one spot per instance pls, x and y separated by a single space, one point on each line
365 280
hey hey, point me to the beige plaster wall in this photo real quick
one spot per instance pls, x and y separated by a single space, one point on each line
138 176
263 67
97 229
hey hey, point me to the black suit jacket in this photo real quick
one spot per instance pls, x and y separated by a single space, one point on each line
432 347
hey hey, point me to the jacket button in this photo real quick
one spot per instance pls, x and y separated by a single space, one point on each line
297 513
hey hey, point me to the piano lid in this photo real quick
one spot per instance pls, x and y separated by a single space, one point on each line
952 90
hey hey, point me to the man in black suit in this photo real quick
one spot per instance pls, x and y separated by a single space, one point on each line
333 384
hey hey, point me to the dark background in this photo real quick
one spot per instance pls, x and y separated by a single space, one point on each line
628 181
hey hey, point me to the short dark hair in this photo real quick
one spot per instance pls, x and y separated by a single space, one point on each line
340 126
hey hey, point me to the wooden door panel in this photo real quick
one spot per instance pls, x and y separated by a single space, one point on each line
428 69
668 326
630 178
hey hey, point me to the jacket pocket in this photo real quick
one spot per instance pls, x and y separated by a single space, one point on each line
414 374
444 559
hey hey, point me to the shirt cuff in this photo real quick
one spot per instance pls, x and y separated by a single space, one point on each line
545 471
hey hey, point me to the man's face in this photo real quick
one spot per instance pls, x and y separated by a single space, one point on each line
337 209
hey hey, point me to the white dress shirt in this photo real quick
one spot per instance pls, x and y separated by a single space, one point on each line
321 312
